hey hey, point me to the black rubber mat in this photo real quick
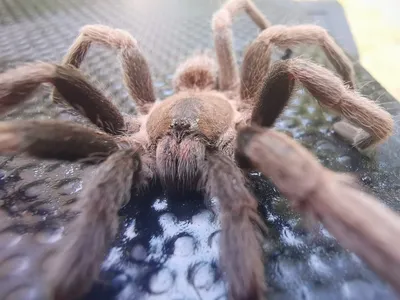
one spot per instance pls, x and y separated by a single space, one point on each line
168 248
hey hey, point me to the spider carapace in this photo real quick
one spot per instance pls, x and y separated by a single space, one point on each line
199 114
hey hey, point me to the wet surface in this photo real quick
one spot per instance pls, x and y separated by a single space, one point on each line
167 248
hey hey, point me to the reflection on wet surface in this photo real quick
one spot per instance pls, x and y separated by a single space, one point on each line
167 247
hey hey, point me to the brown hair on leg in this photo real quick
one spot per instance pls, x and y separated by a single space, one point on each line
16 86
82 250
257 57
240 249
273 97
54 140
136 72
221 26
357 220
228 71
376 123
75 88
234 7
285 36
254 70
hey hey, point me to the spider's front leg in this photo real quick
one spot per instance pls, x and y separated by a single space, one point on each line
359 221
221 25
375 125
18 84
240 249
136 72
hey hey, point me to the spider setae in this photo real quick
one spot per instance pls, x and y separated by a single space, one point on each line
187 141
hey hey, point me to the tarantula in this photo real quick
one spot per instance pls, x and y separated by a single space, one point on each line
187 141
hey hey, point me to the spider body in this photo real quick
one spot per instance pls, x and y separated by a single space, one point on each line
209 114
182 129
188 140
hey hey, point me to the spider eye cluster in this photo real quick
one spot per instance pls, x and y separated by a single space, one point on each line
181 124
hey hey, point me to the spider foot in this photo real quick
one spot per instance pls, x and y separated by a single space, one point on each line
357 137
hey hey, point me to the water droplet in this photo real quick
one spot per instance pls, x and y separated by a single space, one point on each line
366 179
113 258
130 232
203 276
160 204
159 84
14 265
344 160
213 241
289 238
69 186
48 237
325 146
184 246
120 281
318 265
139 253
9 239
162 281
2 176
26 293
168 92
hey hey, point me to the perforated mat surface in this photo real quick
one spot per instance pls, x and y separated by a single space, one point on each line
168 248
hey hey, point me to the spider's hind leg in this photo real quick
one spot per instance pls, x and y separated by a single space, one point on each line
368 124
198 72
